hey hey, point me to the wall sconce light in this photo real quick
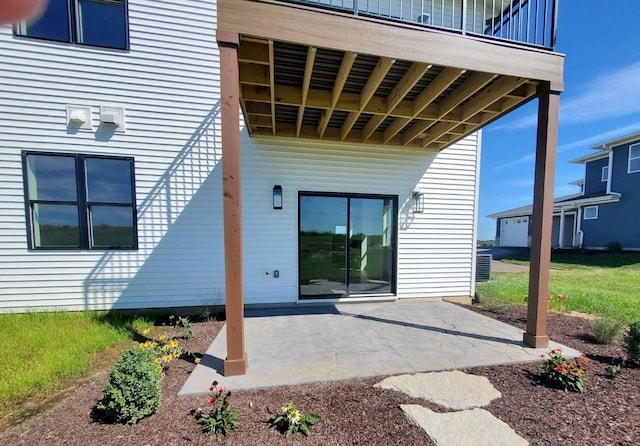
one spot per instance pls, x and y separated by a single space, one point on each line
79 116
418 202
114 117
277 196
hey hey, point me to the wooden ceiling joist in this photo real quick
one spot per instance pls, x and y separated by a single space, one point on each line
399 92
306 80
375 79
341 79
446 77
335 96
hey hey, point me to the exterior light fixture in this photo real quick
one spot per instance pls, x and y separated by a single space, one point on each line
418 202
277 196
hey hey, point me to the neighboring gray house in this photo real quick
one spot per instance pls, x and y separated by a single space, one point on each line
604 211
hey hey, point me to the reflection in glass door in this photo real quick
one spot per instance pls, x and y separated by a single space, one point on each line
346 245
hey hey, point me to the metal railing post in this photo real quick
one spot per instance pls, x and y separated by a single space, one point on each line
554 23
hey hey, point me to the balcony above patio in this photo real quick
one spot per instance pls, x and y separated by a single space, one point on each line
387 72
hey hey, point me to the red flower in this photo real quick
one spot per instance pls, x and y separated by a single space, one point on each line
211 401
560 369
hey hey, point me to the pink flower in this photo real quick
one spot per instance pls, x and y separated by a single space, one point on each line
211 401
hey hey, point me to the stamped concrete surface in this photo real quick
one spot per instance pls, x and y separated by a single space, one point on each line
309 344
475 427
453 389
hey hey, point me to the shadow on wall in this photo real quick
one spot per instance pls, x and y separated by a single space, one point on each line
180 237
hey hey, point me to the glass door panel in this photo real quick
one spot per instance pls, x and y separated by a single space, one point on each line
323 234
370 245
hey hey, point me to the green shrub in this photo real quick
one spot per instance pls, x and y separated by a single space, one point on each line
632 343
607 330
133 390
615 247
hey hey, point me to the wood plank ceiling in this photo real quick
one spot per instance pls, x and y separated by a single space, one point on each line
294 91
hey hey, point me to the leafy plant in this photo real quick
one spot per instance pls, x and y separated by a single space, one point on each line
221 418
133 390
186 324
632 343
614 247
607 330
563 373
292 421
495 306
164 349
613 370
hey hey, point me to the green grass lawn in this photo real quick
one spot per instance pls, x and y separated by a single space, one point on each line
602 284
39 349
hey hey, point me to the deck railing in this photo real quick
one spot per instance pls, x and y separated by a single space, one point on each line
529 22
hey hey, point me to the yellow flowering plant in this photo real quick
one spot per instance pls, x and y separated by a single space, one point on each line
166 349
291 421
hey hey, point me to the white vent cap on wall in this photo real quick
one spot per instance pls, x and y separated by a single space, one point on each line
113 116
79 116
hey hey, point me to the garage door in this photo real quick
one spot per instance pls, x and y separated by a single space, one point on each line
514 231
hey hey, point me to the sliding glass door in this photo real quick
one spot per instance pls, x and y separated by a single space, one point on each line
347 244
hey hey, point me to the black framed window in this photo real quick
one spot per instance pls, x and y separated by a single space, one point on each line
76 201
102 23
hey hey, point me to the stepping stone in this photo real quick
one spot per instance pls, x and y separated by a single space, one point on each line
453 389
475 427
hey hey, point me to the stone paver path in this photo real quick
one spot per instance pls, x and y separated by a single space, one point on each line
475 427
454 390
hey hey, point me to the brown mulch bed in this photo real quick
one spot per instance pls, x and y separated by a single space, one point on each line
354 413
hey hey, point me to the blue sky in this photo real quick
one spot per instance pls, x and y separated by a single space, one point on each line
601 101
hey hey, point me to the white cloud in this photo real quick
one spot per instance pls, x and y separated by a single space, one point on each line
609 95
521 183
525 159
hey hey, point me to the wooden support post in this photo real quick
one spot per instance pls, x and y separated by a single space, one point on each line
228 43
536 334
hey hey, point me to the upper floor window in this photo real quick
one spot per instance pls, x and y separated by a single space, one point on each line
634 158
590 212
79 201
100 23
605 173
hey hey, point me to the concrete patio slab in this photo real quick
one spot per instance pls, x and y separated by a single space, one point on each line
289 346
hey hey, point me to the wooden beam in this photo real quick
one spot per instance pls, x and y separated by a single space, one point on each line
306 80
272 86
345 32
253 52
341 78
375 79
236 361
444 79
547 139
411 77
484 99
470 86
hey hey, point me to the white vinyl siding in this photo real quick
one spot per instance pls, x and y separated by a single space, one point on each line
435 248
168 84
